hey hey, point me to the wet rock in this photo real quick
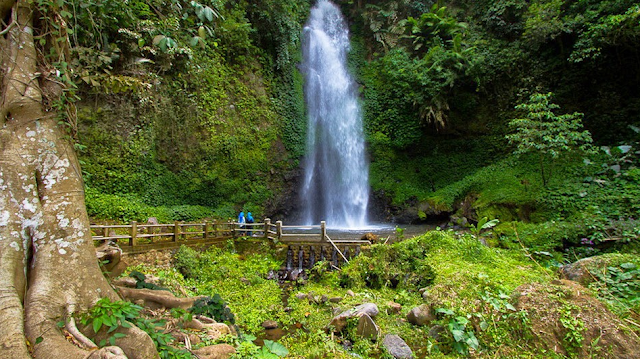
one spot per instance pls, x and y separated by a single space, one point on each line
335 299
301 296
340 321
269 324
367 328
397 347
351 293
421 315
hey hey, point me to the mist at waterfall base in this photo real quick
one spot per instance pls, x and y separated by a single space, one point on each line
335 188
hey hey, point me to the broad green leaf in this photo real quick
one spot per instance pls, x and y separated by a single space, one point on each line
444 311
97 323
458 335
276 348
490 224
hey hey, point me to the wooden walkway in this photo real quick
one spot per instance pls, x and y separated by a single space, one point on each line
141 237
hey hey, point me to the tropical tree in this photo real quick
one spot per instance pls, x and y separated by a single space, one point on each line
48 266
543 132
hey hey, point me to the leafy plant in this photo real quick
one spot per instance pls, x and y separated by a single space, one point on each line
543 132
463 337
270 350
155 329
213 307
575 327
142 284
483 223
618 285
112 315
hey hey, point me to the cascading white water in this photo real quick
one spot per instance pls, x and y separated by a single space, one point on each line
335 187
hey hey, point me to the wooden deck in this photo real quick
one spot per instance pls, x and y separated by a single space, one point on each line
141 237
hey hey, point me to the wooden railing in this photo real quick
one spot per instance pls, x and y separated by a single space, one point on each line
139 237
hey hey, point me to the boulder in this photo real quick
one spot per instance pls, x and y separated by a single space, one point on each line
579 271
397 347
367 328
340 321
421 315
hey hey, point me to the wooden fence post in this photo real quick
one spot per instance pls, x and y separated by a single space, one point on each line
233 229
205 236
267 227
176 230
279 230
133 233
323 231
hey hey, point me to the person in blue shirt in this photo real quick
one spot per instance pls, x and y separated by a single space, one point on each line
241 220
250 220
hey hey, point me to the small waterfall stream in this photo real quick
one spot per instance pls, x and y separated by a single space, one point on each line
335 187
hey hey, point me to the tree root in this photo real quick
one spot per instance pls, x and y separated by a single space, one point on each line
81 338
107 353
155 299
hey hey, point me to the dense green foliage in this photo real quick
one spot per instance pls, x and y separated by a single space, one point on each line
195 109
466 281
186 102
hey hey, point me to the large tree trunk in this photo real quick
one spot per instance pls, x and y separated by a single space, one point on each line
48 266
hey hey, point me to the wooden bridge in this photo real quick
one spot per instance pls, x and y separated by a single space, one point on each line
141 237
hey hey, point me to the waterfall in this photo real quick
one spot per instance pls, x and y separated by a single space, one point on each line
335 186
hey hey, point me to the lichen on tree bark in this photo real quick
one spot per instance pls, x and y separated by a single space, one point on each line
48 267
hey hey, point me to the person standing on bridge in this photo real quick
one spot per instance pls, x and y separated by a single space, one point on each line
250 220
242 221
